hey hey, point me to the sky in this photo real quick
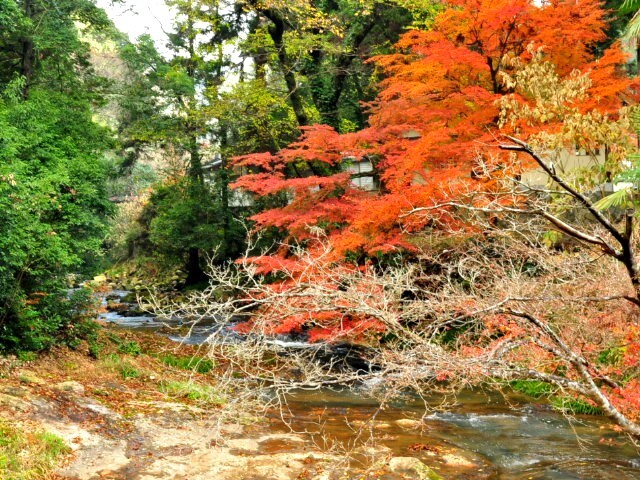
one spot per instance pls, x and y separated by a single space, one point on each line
136 17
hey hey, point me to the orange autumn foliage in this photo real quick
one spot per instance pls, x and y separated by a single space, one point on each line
435 111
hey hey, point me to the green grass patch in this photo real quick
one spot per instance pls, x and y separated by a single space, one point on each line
123 367
130 348
27 356
575 406
197 364
193 391
532 388
28 456
611 356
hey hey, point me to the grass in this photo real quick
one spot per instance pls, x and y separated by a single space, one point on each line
130 348
192 391
532 388
27 456
197 364
125 368
575 406
570 405
611 356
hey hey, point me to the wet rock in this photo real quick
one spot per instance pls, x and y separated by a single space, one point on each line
382 426
71 387
409 424
457 461
412 466
377 451
280 443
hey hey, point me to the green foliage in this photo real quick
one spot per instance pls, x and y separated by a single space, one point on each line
53 208
532 388
62 60
193 391
575 406
28 456
257 118
197 364
130 348
611 356
185 215
53 198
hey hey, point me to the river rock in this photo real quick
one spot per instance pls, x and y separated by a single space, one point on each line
12 403
457 461
409 424
71 387
244 445
377 451
382 426
412 466
19 392
99 279
322 476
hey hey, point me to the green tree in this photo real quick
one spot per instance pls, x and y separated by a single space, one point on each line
166 105
53 199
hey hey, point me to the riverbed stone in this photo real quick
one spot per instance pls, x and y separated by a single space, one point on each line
12 403
409 424
244 445
457 461
412 466
71 387
19 392
382 426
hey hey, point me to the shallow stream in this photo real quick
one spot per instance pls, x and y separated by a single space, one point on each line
481 436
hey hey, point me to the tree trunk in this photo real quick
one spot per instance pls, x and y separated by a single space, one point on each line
27 61
195 274
276 32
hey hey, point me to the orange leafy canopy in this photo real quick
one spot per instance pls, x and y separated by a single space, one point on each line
436 108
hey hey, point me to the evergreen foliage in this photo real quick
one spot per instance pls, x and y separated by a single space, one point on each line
53 199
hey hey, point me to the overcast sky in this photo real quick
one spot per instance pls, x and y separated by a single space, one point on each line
136 17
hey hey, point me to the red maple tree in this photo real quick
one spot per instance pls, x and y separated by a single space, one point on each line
436 109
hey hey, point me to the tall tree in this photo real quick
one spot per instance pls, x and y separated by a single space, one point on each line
53 195
168 103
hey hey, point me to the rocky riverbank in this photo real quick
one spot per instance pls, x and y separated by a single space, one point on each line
144 410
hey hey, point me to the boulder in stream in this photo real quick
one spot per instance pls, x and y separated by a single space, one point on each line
414 467
409 424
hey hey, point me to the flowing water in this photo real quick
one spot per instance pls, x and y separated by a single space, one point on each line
481 436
